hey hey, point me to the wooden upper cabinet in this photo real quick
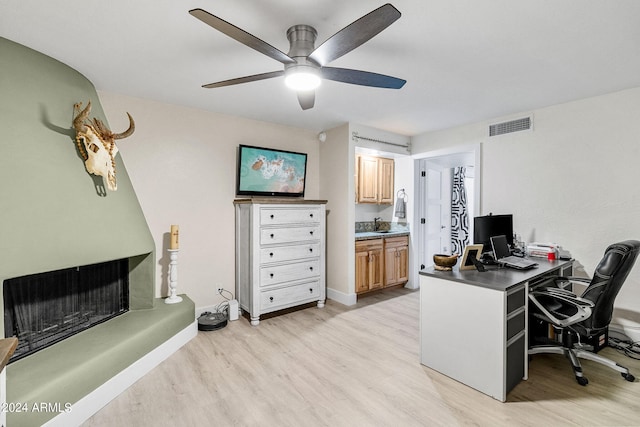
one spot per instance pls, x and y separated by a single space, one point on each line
385 181
367 179
374 180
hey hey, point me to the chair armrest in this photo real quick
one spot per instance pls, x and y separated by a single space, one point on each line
582 306
563 282
564 294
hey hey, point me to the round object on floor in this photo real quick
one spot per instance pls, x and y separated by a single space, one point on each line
211 321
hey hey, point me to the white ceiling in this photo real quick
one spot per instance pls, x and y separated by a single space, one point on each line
464 60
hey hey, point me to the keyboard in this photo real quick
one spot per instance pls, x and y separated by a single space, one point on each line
517 262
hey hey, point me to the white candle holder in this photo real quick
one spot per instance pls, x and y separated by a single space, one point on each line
173 278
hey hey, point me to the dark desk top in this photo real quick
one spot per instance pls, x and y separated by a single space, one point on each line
498 278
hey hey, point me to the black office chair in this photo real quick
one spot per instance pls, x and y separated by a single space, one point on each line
587 316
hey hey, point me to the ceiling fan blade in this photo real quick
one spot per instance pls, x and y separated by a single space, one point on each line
246 79
355 34
242 36
306 98
362 78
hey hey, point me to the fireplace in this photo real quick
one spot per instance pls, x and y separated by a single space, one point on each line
43 309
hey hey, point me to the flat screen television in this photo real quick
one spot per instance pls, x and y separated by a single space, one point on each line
486 227
269 172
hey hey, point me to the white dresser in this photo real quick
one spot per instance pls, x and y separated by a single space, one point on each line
280 254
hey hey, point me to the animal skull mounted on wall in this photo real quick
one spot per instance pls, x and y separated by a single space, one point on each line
97 144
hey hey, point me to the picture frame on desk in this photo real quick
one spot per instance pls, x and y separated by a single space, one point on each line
470 252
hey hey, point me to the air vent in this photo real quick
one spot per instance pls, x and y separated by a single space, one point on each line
510 126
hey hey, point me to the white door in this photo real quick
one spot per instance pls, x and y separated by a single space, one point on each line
435 214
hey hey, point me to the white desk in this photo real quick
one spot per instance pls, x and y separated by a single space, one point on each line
474 325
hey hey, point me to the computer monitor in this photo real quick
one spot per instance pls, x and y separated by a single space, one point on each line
485 227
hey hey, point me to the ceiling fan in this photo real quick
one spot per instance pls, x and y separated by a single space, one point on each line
304 64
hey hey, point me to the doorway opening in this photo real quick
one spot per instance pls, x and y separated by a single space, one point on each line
448 198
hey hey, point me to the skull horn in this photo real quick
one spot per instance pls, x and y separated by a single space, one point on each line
81 116
128 132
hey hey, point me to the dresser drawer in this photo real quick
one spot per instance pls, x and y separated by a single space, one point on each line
270 236
287 272
277 298
279 216
289 253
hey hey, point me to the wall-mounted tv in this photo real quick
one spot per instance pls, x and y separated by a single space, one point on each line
269 172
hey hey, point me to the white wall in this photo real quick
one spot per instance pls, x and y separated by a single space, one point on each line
182 164
572 180
337 187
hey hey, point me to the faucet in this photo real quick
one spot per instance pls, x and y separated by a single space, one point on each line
376 225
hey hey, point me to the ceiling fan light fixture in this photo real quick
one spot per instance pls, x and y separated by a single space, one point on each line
302 78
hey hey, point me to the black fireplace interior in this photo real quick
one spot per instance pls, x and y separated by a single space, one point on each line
45 308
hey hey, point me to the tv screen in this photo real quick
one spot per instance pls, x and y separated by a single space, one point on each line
269 172
486 227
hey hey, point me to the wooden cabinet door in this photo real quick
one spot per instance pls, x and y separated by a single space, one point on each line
385 183
390 266
362 271
376 269
396 260
367 179
374 180
369 265
402 266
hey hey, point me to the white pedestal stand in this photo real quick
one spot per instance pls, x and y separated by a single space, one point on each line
173 277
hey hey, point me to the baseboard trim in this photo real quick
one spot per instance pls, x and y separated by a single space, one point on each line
83 409
341 297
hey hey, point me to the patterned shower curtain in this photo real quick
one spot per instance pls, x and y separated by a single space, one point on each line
459 212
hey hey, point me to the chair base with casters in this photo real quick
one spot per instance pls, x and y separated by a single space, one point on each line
586 316
574 355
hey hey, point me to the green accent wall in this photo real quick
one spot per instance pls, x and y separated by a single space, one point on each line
53 214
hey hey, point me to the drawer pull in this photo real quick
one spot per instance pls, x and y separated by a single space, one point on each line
311 215
271 254
310 290
311 268
271 235
271 275
271 216
271 299
311 232
310 249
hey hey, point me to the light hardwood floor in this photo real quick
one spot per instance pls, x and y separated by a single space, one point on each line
355 366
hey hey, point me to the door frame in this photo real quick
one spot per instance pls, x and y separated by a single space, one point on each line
472 152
